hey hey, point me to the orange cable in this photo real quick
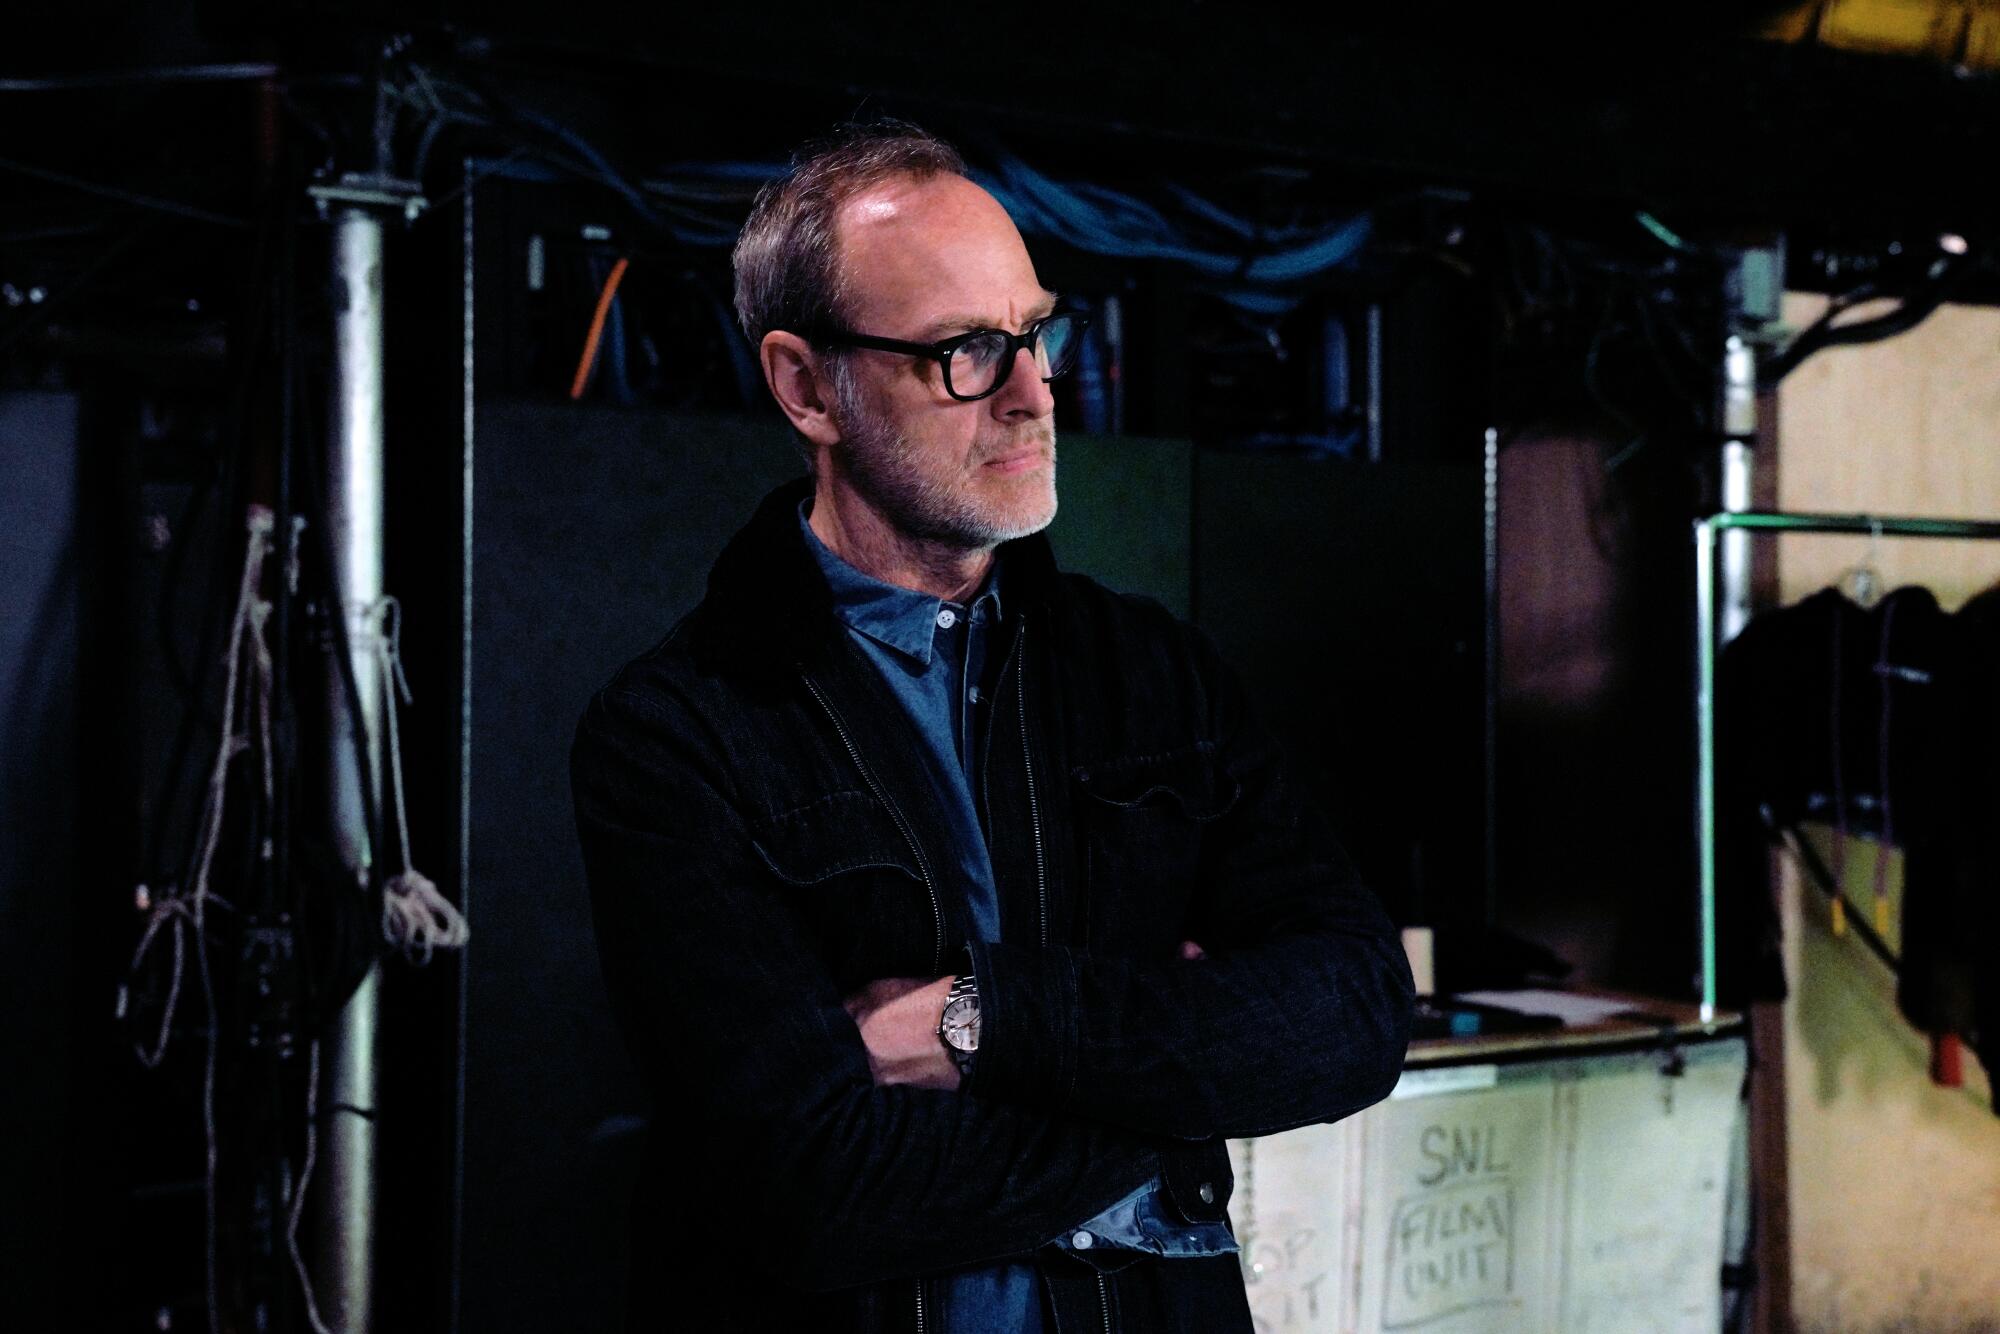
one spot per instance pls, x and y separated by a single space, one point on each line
596 329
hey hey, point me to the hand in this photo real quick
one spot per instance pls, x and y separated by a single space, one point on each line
898 1018
1191 951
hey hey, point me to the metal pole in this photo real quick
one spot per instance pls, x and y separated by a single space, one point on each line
344 1200
468 346
1491 505
1704 696
1722 609
1739 427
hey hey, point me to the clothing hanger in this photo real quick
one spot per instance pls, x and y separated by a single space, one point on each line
1863 582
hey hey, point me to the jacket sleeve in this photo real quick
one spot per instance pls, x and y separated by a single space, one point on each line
733 1015
1300 1012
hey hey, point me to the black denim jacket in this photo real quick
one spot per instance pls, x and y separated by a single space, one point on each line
761 839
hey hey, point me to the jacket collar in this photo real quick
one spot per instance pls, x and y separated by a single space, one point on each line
768 607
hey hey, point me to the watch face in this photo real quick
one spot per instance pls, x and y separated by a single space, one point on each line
961 1023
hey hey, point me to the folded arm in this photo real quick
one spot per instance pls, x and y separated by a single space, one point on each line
724 996
1299 1013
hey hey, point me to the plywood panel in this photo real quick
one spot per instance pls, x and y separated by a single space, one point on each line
1894 1182
1906 426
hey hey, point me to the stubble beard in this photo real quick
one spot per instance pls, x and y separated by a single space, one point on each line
888 471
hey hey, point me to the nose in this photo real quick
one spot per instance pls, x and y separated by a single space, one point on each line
1024 396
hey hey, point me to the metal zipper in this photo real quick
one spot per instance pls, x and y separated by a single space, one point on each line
1104 1302
1034 804
916 848
920 1306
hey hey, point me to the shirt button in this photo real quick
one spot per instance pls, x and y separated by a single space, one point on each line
1083 1241
1207 1193
947 618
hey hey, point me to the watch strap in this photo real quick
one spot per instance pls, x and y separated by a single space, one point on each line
962 987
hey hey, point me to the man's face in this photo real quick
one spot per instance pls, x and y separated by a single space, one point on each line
924 261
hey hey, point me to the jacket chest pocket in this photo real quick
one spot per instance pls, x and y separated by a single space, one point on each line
847 870
1140 823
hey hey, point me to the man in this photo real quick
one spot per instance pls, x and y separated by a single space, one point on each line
954 906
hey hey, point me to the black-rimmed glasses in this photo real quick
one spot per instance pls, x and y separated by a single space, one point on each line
977 364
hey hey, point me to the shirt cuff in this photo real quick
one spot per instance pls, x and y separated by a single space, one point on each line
1143 1222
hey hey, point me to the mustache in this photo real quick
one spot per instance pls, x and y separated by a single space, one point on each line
1043 436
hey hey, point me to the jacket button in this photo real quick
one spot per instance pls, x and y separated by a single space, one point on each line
1207 1193
1083 1241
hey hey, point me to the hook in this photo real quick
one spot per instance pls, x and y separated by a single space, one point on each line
1862 579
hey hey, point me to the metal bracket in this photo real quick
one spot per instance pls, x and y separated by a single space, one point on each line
365 190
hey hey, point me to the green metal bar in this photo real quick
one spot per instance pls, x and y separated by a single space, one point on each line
1704 638
1705 531
1880 525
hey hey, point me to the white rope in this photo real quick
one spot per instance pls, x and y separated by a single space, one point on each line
180 913
416 916
299 1194
173 909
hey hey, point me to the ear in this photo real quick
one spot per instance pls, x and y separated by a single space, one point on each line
791 369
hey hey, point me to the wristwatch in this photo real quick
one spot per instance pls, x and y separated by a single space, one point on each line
958 1026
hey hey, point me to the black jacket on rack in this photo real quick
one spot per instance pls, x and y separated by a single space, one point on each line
1951 919
1882 722
1825 712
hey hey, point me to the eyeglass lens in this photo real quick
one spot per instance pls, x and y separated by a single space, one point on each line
978 363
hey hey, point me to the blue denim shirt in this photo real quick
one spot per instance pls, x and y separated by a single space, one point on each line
933 655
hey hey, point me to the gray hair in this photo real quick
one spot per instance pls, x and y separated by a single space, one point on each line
787 271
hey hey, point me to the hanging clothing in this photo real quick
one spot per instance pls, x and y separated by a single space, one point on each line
1825 712
1951 918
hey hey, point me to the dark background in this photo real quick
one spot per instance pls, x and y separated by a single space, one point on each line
537 543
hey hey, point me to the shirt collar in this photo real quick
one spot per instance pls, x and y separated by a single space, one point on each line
898 618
